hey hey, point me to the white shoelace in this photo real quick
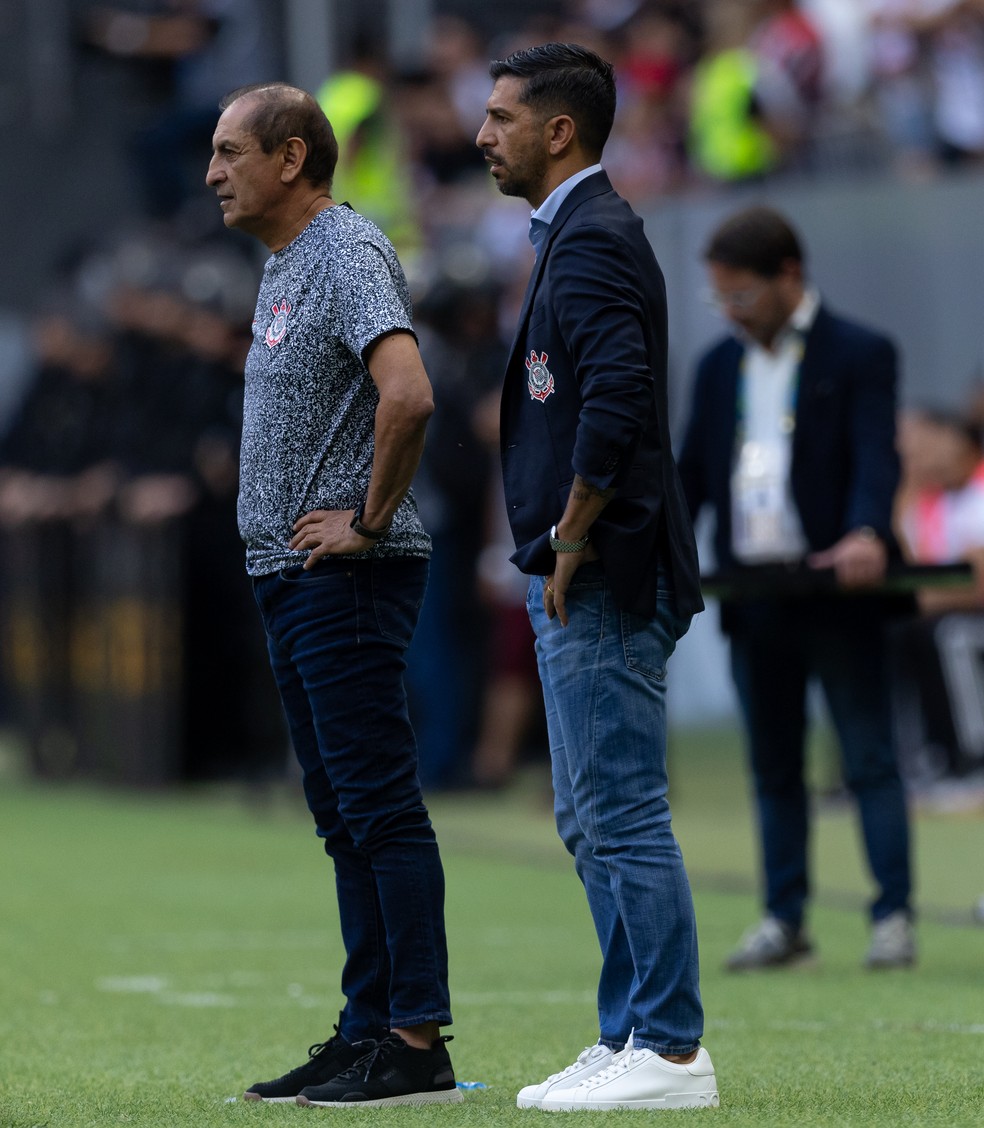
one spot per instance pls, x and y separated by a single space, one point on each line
582 1059
619 1064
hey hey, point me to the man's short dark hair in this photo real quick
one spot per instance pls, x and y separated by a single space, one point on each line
565 78
758 239
279 111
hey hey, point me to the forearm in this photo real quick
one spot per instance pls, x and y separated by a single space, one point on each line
406 403
584 504
399 444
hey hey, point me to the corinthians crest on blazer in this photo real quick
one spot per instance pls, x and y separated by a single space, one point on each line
586 392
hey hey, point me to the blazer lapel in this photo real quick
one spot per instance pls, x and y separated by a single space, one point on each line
524 313
591 186
811 376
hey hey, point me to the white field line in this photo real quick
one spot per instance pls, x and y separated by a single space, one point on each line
160 987
818 1026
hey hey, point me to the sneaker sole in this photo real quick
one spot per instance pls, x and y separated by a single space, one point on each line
441 1096
804 960
535 1102
529 1102
671 1100
267 1100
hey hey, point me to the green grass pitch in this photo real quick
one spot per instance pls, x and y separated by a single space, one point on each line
159 952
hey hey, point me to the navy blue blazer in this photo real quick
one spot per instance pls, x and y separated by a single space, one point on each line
585 393
845 468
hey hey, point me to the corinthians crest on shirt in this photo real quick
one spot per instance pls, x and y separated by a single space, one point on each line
277 329
540 380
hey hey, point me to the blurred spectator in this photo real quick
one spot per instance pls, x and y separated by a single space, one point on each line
440 147
56 459
457 57
464 353
954 36
124 454
56 477
182 324
757 91
843 29
646 154
900 82
512 700
211 47
728 140
373 157
940 519
788 52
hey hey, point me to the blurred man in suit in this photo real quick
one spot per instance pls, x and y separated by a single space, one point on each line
791 443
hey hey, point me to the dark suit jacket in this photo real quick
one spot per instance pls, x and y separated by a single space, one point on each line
845 468
585 393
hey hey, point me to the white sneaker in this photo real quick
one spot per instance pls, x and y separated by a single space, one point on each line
591 1060
893 942
641 1079
770 943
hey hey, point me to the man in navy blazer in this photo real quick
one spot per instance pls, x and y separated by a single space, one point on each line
601 527
791 444
585 396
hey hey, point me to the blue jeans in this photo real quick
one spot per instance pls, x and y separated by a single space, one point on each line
604 691
774 653
337 635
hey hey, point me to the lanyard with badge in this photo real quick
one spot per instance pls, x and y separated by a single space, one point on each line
763 525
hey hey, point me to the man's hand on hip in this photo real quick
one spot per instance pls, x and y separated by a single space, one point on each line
327 532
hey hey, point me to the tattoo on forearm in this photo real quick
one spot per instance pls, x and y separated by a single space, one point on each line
583 491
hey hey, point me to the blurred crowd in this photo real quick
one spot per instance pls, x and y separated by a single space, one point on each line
939 655
123 409
711 92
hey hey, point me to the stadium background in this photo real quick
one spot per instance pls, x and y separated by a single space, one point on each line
907 256
903 252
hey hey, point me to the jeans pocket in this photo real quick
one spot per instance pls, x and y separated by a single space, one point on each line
324 572
647 645
397 596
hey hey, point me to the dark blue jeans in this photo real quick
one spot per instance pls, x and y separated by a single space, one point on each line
775 651
337 636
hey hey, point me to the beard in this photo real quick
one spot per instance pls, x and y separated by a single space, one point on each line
522 178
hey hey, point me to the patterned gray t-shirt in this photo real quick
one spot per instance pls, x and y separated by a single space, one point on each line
310 402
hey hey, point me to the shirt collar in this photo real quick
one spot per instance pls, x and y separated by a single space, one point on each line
805 313
547 211
799 324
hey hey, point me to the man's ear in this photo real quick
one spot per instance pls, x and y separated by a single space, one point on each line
294 154
561 134
792 269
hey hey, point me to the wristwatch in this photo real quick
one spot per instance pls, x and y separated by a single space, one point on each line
559 545
369 534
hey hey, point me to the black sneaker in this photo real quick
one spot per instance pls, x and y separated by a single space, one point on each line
325 1061
392 1073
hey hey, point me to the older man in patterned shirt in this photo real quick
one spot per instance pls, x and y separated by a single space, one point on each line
336 405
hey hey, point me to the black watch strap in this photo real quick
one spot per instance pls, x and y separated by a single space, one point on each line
369 534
